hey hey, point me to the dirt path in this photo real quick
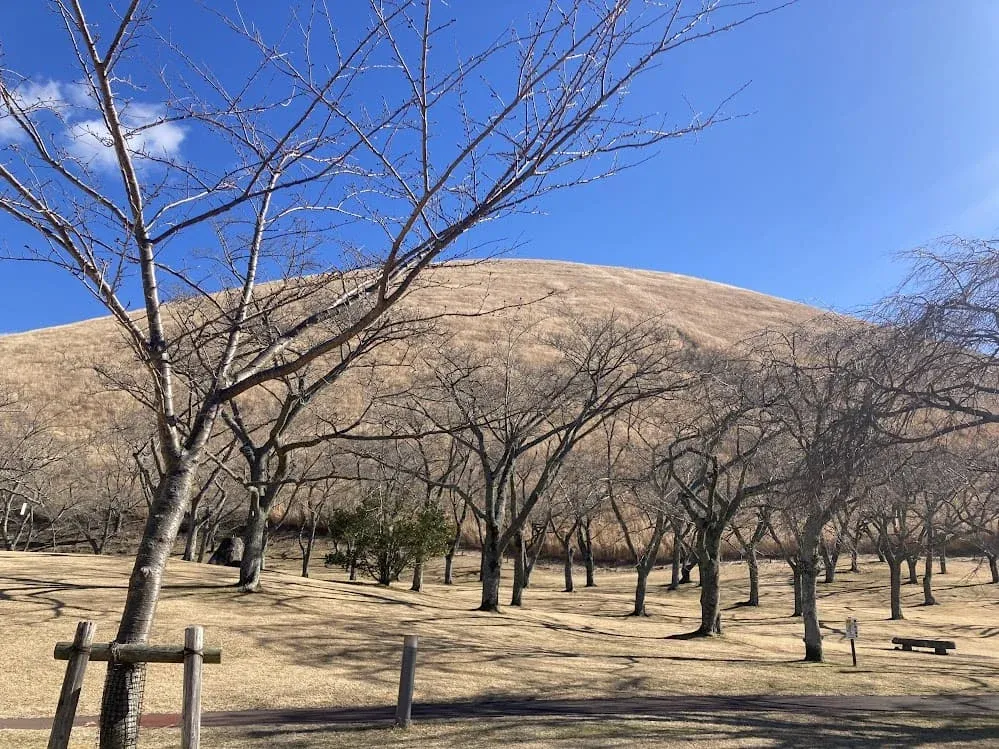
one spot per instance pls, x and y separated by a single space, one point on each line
632 707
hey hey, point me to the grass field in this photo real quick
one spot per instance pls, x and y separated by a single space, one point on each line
324 642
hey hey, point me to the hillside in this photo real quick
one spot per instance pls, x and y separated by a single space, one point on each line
54 366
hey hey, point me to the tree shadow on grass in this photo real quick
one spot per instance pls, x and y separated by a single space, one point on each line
668 722
694 635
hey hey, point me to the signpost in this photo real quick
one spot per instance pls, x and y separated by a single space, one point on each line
852 633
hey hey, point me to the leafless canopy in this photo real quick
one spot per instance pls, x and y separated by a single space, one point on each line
946 351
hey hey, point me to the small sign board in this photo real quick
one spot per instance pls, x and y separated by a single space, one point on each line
851 631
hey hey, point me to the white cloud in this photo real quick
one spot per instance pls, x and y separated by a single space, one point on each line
9 130
79 94
37 96
147 137
31 98
87 136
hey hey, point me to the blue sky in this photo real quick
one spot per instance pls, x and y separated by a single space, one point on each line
871 130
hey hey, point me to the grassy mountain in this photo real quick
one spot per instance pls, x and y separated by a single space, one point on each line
55 366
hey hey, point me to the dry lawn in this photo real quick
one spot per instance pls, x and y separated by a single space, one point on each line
327 642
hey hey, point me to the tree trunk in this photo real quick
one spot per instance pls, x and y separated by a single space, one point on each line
754 576
519 570
211 533
567 554
854 561
586 548
451 551
120 700
29 523
928 599
417 585
203 546
253 547
689 563
911 562
674 577
830 558
943 559
5 524
796 584
895 571
482 546
191 538
709 571
384 569
491 568
449 568
808 563
640 589
994 568
532 551
710 596
309 545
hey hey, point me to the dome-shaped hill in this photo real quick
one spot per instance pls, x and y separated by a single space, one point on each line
55 366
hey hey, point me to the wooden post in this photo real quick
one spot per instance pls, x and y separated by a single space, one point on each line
407 680
69 697
194 643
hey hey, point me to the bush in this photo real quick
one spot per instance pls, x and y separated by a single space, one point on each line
383 539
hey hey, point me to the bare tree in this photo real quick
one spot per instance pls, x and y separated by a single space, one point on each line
980 513
641 507
893 524
819 388
529 541
313 503
273 437
849 526
830 546
204 508
585 539
680 551
719 460
750 527
509 408
576 494
946 348
936 500
354 138
456 482
29 452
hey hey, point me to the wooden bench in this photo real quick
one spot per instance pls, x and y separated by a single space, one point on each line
940 647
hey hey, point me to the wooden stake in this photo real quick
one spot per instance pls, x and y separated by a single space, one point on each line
407 680
194 643
853 652
69 697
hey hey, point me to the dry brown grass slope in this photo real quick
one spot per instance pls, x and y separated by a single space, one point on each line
55 365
